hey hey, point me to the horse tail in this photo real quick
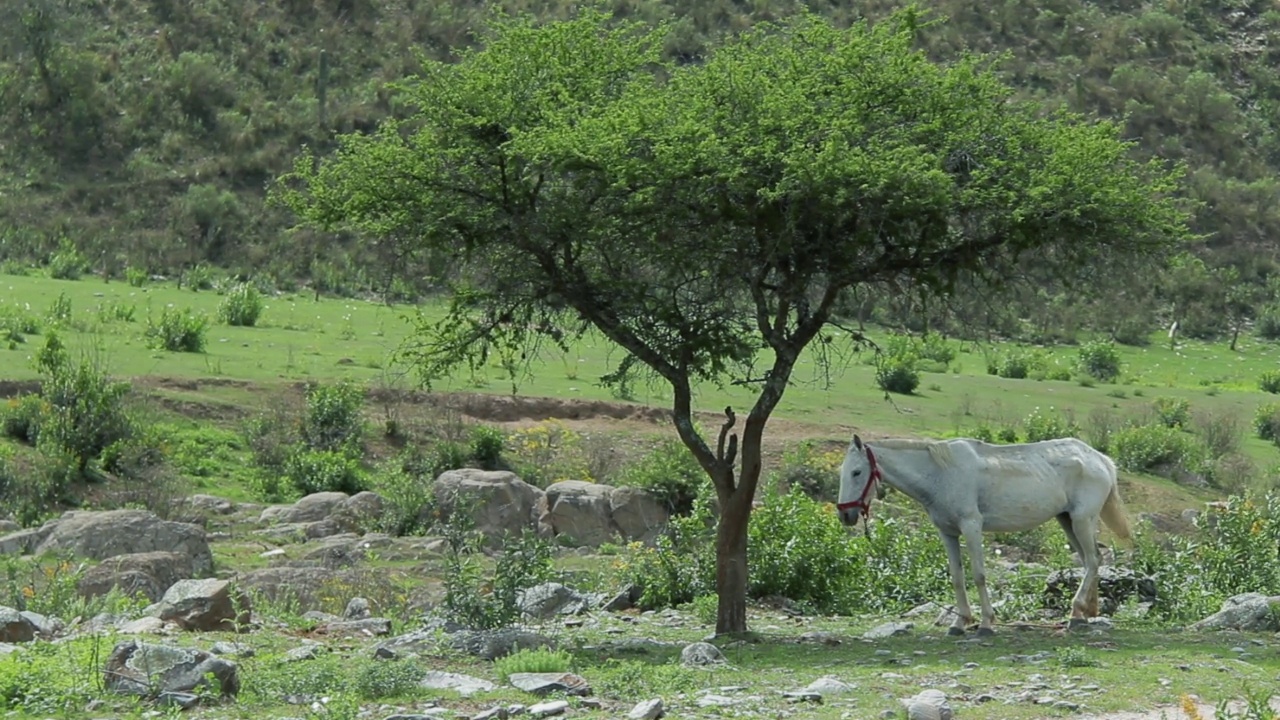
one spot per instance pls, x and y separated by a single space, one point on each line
1114 515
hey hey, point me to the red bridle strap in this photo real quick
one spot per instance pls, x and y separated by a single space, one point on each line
863 503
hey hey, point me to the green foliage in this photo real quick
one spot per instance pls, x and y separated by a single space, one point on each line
177 331
532 660
16 323
800 551
379 680
1100 360
670 473
242 306
409 502
1150 447
1014 365
806 470
897 375
486 446
481 601
60 311
1268 324
83 410
1049 425
1266 421
22 418
1269 381
333 419
1173 412
136 277
68 263
312 471
679 567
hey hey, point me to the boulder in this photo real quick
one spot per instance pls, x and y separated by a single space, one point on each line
637 514
300 585
150 573
1115 586
14 627
580 511
22 542
547 600
498 502
204 605
312 508
151 670
106 534
1250 612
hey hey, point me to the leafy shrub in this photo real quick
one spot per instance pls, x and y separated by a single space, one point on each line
486 446
1012 365
1220 432
670 473
813 473
115 311
1269 381
68 263
1100 360
313 471
199 277
22 418
936 348
548 452
378 680
1266 421
60 311
1268 324
407 498
33 487
333 419
532 660
897 375
679 567
136 277
16 324
84 410
799 550
177 331
1149 447
242 306
1049 425
1102 425
1173 412
481 601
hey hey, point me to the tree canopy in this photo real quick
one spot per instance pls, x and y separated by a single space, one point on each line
706 218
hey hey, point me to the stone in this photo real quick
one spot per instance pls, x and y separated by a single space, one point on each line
626 599
1250 612
580 511
357 609
827 686
547 600
820 637
637 514
98 535
499 502
45 625
311 508
232 649
299 585
547 709
14 628
1115 586
928 705
148 573
147 669
647 710
887 630
367 627
493 644
546 683
310 651
464 684
204 605
701 654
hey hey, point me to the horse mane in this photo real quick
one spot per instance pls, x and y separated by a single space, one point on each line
939 450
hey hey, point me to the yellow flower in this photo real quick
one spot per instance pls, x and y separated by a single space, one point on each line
1189 707
1256 528
28 592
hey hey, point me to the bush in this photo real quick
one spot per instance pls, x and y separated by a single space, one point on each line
333 419
1269 381
313 471
486 446
532 660
1173 412
486 602
814 474
136 277
1013 365
548 452
936 348
22 418
1268 325
1100 360
68 263
897 375
242 306
1266 421
799 550
670 473
177 331
83 410
1220 432
679 567
1150 447
407 496
1049 425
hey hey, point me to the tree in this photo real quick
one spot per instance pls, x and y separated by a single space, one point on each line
705 218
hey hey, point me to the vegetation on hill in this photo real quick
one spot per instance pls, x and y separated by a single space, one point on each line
143 134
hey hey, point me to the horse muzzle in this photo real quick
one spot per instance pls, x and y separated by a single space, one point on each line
849 513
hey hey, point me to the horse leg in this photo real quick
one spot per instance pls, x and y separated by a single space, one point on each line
1085 604
1064 519
973 539
964 613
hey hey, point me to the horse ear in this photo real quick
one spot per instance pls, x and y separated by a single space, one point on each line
857 441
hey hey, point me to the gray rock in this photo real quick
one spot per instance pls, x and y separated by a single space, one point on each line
547 683
22 542
312 508
148 573
45 626
1115 586
888 630
300 585
1250 612
637 514
367 627
701 654
9 526
357 609
647 710
493 713
142 626
204 605
310 651
827 686
820 637
148 669
581 511
232 649
928 705
206 505
547 600
106 534
463 684
498 502
14 628
624 600
547 709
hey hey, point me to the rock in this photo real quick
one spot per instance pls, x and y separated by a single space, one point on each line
14 628
204 605
106 534
337 551
367 627
827 686
364 508
1250 612
547 600
493 713
9 526
149 573
547 709
299 585
547 683
580 511
312 508
45 626
701 654
647 710
232 649
637 514
499 502
624 600
887 630
147 669
493 644
142 626
463 684
357 609
928 705
23 542
206 505
310 651
820 637
1115 586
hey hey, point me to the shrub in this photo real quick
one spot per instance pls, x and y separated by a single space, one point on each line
814 474
136 277
1173 412
68 263
486 602
1049 425
936 348
313 471
670 473
679 567
333 419
60 310
378 680
1100 360
799 550
897 375
177 331
548 452
84 410
242 306
532 660
1149 447
15 324
407 497
33 487
22 418
1220 432
1269 381
1266 421
1268 325
1102 425
486 446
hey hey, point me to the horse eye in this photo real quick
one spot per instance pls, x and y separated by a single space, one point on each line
856 473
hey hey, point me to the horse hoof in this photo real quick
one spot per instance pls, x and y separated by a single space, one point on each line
1077 624
955 631
985 632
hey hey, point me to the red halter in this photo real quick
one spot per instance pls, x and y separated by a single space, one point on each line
863 503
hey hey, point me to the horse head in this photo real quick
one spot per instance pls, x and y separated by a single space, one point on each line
858 475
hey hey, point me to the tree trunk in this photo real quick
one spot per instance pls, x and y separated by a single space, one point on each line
731 564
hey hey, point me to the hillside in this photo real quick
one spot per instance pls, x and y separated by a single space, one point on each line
145 134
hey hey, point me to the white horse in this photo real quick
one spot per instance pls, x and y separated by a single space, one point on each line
969 487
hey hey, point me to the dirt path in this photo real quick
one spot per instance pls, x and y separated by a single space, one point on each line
1171 712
